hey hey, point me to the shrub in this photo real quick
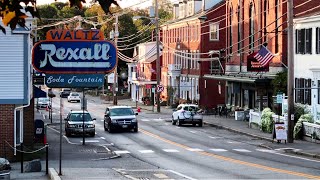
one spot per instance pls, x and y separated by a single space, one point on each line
297 131
266 120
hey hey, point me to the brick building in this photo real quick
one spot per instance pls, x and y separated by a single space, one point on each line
189 40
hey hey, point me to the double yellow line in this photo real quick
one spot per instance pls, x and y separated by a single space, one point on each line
233 160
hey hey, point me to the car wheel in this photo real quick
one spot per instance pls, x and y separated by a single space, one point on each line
135 129
93 134
68 134
200 124
193 124
173 121
104 125
178 122
110 129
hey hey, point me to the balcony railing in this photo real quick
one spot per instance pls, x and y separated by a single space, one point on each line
174 67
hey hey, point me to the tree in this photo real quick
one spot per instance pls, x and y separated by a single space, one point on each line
280 82
14 12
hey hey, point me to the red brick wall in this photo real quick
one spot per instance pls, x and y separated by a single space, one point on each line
209 93
6 129
28 117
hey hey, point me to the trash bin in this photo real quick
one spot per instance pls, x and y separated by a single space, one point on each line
4 169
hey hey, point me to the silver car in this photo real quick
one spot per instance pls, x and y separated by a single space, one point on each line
187 114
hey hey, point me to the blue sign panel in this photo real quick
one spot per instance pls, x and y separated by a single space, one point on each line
74 80
74 57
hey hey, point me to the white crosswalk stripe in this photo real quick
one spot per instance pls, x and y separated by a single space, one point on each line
241 150
145 120
146 151
266 150
219 150
170 150
194 149
121 152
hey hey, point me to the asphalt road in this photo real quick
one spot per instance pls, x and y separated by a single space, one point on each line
163 151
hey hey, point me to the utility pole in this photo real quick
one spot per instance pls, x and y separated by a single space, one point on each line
115 81
158 56
290 72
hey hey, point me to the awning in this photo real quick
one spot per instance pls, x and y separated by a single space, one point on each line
238 78
38 93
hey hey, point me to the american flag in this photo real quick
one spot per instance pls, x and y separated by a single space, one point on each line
264 56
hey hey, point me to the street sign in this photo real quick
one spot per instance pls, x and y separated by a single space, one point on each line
74 80
74 57
160 88
279 98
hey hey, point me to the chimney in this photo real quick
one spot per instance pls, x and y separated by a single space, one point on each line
203 5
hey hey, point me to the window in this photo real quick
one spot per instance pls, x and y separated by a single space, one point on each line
251 30
214 31
230 32
277 24
304 41
239 30
265 6
303 91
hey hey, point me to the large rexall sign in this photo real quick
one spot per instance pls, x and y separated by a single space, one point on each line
74 57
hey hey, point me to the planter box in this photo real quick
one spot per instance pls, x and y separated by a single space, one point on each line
309 129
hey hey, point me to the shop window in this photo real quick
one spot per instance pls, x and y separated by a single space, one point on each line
303 91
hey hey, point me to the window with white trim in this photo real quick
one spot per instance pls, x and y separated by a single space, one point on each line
304 41
214 31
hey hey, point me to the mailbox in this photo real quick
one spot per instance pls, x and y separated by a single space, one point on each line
39 130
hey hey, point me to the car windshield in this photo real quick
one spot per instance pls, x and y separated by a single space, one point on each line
121 112
75 94
43 100
79 117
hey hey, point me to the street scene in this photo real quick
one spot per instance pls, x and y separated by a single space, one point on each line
159 89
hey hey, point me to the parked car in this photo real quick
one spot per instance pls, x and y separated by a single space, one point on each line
43 103
120 117
65 92
187 114
74 97
74 122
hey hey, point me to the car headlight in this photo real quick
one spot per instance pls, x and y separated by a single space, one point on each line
134 120
113 120
71 125
90 125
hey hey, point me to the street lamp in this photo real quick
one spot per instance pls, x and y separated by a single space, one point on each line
156 20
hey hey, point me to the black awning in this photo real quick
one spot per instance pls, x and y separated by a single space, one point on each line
38 93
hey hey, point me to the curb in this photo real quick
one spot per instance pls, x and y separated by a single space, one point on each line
237 131
53 174
317 156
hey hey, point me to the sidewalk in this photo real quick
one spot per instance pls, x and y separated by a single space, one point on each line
298 147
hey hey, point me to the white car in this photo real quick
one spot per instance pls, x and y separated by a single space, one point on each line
74 97
187 114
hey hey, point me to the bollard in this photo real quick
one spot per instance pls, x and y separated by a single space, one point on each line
47 158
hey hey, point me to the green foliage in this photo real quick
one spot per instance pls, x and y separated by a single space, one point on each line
299 110
266 120
297 131
279 83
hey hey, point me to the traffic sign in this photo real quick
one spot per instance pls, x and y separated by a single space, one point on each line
160 88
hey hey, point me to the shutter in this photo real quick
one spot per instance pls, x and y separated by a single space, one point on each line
310 41
309 91
297 42
317 40
303 41
296 90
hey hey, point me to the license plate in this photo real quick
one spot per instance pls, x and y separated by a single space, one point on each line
124 126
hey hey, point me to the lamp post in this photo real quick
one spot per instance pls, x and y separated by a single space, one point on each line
158 70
